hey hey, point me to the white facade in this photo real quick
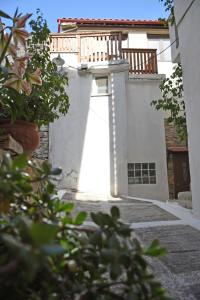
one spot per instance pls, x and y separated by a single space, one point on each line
146 134
105 134
188 52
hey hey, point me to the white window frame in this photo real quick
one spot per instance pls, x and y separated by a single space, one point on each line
95 91
142 173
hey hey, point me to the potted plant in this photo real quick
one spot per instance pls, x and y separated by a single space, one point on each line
32 92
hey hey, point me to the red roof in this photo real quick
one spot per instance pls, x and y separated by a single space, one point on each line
110 21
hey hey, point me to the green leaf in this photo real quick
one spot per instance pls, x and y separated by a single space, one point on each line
46 167
96 239
113 242
108 255
115 212
66 207
4 15
155 250
154 243
115 270
80 218
67 220
43 233
20 161
96 218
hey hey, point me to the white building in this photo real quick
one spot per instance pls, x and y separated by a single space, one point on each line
112 141
186 49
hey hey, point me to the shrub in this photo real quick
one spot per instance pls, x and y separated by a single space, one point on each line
47 254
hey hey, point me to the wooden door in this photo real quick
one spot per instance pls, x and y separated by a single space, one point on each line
181 173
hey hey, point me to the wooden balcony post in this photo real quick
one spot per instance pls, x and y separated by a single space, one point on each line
120 45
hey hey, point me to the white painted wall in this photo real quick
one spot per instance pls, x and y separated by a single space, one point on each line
146 135
79 141
165 67
67 134
89 143
137 40
95 162
98 137
100 134
188 24
118 132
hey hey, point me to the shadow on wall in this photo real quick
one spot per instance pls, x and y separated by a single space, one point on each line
67 134
86 142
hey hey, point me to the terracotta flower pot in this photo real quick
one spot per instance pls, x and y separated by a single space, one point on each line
24 132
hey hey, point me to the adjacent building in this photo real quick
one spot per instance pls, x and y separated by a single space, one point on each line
185 36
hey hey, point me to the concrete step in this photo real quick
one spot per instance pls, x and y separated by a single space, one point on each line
72 195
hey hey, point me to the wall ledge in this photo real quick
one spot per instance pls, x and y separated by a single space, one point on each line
146 77
103 67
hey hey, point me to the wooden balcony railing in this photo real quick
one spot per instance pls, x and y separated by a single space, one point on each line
142 61
100 47
104 47
64 43
89 47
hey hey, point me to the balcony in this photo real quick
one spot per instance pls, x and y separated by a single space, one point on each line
105 47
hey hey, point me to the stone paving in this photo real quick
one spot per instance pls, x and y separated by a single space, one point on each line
179 270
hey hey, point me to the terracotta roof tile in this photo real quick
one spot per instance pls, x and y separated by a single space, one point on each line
110 21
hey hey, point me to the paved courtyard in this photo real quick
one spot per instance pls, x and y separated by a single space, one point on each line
176 230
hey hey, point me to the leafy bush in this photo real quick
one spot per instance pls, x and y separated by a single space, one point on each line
31 88
172 101
169 7
46 254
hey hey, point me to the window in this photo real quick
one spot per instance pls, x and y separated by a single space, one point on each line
100 86
142 173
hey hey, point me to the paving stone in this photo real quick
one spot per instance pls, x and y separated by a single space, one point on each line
182 243
182 261
175 238
134 213
195 290
130 212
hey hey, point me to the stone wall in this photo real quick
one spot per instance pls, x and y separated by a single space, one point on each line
43 151
172 139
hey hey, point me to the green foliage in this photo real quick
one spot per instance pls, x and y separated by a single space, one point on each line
45 101
173 101
49 100
45 254
169 7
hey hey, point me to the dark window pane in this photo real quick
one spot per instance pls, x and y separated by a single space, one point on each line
152 173
131 166
144 166
152 166
130 173
137 173
102 85
145 180
153 180
138 180
145 173
138 166
131 180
